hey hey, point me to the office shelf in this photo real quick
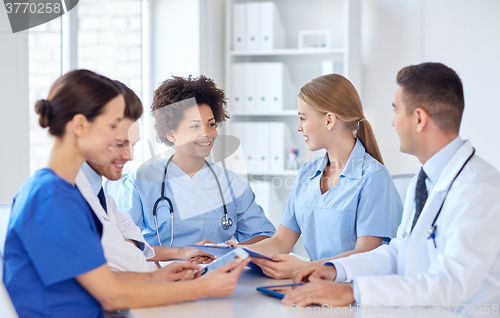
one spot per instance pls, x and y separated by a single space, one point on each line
264 113
288 52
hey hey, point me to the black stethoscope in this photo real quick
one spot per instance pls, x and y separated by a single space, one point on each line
432 229
226 221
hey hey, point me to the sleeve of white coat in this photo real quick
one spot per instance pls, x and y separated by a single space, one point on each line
380 261
127 227
471 245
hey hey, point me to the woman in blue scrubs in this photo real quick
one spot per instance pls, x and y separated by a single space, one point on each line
186 112
344 202
53 260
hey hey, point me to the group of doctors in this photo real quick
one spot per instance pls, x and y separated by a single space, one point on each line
344 204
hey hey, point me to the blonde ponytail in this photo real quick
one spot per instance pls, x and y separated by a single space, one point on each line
334 93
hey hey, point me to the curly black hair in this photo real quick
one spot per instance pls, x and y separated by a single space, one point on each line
176 89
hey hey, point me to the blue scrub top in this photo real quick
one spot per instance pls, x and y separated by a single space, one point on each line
364 202
52 237
140 189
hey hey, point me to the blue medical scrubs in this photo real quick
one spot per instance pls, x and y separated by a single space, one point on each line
53 236
198 208
364 202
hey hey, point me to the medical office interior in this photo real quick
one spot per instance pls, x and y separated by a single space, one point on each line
260 53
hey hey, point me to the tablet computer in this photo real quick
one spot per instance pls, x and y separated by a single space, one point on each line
278 291
219 251
223 260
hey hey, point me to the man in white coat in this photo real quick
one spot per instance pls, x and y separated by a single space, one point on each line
447 249
124 246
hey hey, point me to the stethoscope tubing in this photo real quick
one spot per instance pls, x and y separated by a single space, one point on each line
433 227
226 221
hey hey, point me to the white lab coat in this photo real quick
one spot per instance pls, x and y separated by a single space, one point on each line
120 254
465 266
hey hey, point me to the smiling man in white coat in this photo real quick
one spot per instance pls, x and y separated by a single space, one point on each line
446 252
125 249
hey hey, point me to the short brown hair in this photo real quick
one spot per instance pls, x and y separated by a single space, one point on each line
133 104
437 89
177 89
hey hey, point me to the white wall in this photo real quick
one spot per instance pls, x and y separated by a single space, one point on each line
14 130
175 39
462 34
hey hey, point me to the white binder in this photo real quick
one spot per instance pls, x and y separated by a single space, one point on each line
272 33
262 142
237 161
237 87
250 89
275 88
252 26
261 85
277 146
239 27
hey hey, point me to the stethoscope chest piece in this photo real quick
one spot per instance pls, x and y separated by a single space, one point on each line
226 222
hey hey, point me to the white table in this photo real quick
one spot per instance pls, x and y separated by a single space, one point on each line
246 301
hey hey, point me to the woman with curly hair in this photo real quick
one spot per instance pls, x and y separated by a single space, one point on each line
205 201
54 264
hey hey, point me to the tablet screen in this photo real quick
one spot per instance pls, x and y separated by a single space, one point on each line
278 291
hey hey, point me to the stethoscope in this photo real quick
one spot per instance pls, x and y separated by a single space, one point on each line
226 221
432 229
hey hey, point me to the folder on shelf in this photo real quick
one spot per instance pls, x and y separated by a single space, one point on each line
274 88
237 86
262 142
272 33
277 146
261 83
252 26
237 160
279 91
252 142
239 27
250 87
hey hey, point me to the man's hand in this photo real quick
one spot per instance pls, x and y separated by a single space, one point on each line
282 266
174 272
320 292
314 272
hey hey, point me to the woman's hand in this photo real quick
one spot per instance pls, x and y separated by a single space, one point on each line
232 243
204 242
282 266
320 292
174 272
314 272
195 256
222 281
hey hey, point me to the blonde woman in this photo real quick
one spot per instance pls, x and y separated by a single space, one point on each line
343 203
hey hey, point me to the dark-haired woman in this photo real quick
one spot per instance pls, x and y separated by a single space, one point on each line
187 112
53 261
343 203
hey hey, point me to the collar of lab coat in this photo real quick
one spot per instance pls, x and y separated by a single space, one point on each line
437 194
83 185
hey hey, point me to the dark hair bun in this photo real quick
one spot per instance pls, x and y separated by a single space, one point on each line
43 108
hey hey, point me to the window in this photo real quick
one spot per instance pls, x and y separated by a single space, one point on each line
108 41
